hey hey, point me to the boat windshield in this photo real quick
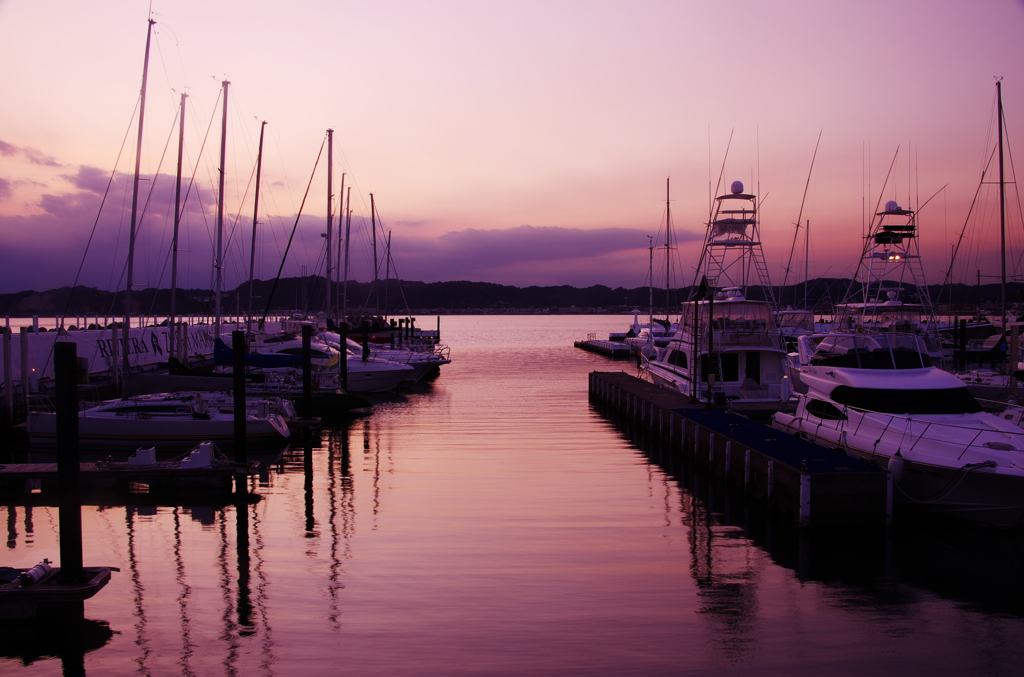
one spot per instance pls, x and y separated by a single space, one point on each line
909 402
796 319
879 315
888 350
745 316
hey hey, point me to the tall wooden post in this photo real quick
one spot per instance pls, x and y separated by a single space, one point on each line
25 372
238 374
343 357
8 375
65 367
307 371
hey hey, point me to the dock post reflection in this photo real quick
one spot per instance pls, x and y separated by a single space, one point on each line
12 526
307 485
244 607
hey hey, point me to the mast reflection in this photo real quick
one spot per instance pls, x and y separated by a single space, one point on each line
340 495
138 607
185 621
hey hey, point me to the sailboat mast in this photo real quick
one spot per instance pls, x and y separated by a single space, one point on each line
135 200
337 264
387 272
218 260
1002 204
171 329
348 230
330 217
373 231
807 259
650 288
255 217
668 250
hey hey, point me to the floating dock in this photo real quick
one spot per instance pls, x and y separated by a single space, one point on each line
32 478
812 485
613 349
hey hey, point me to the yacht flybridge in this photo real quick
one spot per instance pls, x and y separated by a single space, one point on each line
889 292
727 350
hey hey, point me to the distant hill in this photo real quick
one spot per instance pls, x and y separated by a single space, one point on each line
308 294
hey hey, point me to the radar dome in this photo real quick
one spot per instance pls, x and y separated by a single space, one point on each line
737 187
892 206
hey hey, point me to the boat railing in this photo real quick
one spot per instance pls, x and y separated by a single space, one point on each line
923 434
41 403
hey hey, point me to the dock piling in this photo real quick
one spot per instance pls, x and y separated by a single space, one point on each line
70 518
238 390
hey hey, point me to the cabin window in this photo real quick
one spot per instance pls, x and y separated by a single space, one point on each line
825 410
677 358
908 402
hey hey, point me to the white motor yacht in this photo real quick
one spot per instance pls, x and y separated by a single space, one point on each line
727 348
743 359
877 397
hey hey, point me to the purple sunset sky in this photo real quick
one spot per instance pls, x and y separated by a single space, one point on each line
519 143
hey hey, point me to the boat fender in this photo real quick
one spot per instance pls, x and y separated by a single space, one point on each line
896 466
35 574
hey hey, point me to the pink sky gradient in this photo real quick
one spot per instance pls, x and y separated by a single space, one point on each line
519 143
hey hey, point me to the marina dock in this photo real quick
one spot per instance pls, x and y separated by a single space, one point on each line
29 478
613 349
809 484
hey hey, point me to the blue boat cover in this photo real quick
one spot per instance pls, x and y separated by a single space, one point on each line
225 356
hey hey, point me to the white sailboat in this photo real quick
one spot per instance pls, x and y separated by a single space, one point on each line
170 422
369 375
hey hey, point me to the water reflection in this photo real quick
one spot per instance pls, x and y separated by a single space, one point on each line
62 632
139 609
498 525
882 573
183 599
340 493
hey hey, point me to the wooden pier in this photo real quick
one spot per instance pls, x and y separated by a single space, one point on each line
812 485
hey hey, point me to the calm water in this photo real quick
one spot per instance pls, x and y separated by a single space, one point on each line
497 524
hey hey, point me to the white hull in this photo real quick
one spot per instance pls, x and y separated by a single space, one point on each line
376 376
945 453
170 424
979 494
